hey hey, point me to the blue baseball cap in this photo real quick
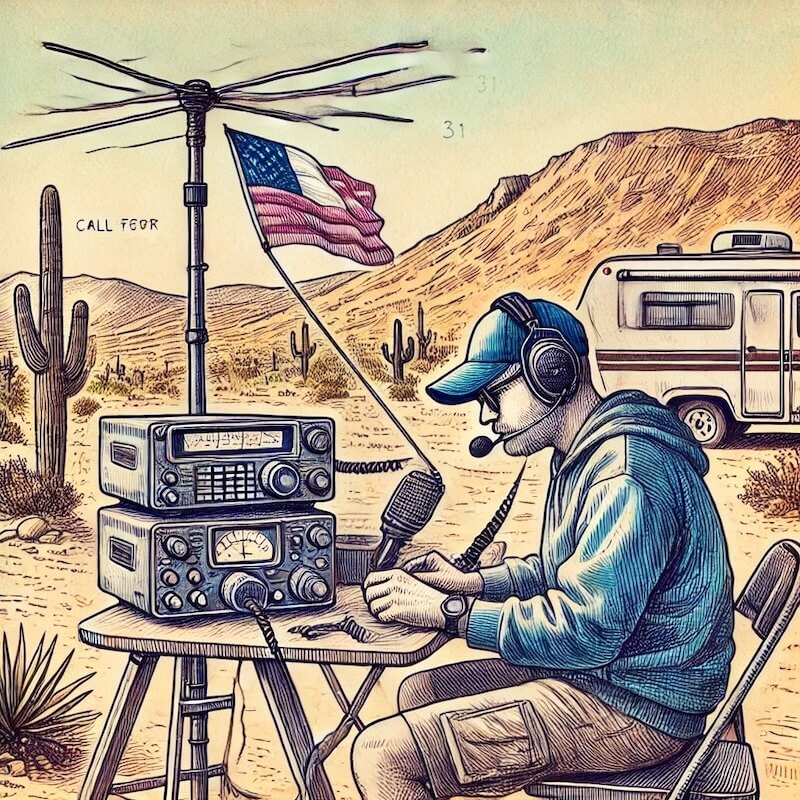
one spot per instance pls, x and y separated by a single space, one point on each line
496 344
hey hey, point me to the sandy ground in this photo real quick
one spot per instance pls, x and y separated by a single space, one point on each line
50 588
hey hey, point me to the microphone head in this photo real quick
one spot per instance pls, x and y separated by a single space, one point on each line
481 446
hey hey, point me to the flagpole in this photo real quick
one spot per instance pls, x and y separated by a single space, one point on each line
346 358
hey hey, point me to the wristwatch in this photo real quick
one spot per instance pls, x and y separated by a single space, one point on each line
453 607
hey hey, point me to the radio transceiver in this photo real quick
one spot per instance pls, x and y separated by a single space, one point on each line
182 566
182 462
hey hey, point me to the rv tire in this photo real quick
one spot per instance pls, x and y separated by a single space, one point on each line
708 420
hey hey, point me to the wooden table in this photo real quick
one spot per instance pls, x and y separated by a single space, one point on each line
192 642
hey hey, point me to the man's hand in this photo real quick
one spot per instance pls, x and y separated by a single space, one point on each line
435 570
395 596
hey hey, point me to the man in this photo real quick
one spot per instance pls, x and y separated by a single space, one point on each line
615 640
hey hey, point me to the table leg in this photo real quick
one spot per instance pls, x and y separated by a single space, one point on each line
118 726
338 693
292 725
175 734
195 681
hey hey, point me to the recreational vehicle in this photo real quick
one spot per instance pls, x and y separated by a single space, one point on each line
715 335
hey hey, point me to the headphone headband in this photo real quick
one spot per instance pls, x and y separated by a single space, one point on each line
518 308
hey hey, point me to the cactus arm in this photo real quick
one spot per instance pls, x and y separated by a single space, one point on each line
74 361
74 385
312 350
33 352
408 353
293 343
385 351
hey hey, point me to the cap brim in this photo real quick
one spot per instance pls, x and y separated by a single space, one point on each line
465 382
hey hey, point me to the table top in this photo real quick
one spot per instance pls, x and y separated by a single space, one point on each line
236 636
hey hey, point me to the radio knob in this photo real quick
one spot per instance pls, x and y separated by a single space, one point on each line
194 576
176 546
319 536
319 481
280 480
172 601
198 599
169 577
307 585
318 440
170 497
170 477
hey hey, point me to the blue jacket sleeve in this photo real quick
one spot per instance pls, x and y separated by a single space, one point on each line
623 546
520 577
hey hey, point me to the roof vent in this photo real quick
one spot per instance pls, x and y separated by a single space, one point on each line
751 241
668 249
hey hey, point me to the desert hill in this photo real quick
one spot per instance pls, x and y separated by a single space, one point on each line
624 192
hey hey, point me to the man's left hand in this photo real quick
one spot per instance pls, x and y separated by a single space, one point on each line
395 596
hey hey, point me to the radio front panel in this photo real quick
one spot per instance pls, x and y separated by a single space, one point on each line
183 462
182 567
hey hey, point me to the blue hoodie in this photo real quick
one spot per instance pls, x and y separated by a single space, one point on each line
631 596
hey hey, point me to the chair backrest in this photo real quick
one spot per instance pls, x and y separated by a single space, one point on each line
769 600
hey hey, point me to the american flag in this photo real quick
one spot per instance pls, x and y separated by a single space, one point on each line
296 200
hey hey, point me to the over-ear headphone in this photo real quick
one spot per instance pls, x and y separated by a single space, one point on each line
550 365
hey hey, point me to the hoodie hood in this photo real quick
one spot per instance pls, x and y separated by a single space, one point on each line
634 413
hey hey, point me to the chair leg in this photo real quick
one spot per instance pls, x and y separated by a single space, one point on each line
118 727
175 734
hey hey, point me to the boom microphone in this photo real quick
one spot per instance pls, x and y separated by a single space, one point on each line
408 511
481 446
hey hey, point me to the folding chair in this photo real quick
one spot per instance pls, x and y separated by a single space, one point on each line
714 768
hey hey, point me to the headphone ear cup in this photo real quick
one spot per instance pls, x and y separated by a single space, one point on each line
551 368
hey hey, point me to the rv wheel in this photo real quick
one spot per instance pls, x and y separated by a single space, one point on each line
707 421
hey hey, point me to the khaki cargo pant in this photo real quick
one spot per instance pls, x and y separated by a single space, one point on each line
488 727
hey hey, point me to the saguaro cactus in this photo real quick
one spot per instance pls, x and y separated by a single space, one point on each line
400 355
423 337
56 377
305 352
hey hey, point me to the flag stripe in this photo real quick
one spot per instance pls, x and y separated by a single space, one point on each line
296 200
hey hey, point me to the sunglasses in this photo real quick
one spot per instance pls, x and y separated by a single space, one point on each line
490 396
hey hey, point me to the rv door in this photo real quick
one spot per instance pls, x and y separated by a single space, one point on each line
762 354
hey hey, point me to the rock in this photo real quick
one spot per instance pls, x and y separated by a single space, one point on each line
43 762
793 513
776 507
5 758
8 533
52 537
14 768
31 528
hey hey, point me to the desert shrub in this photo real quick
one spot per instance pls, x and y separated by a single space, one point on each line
113 388
9 431
405 389
440 352
85 407
37 721
162 384
776 488
14 398
24 492
329 378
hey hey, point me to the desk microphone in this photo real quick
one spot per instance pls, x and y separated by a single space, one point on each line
408 511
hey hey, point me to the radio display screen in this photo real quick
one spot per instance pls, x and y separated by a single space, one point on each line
263 439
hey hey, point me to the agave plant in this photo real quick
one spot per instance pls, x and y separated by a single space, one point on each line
36 710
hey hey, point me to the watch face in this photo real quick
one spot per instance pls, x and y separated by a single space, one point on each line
454 606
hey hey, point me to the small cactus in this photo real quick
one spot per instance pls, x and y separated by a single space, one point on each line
400 355
304 353
423 337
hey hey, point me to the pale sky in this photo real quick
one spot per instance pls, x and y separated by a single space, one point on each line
556 74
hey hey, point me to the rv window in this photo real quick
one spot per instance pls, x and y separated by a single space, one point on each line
686 310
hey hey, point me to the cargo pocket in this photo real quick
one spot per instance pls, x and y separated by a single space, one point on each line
495 742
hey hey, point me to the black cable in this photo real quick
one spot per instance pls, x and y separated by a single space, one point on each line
371 467
468 560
